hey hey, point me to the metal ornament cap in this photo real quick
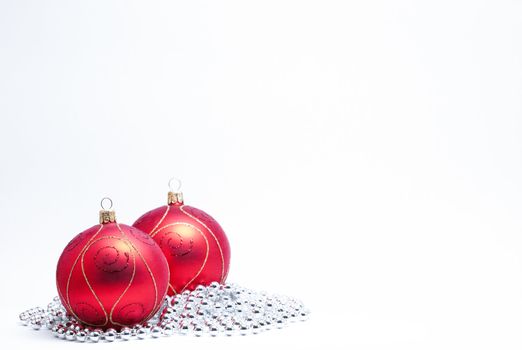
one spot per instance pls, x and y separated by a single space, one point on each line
175 198
107 216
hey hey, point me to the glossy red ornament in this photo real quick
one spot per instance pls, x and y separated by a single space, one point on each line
195 245
112 275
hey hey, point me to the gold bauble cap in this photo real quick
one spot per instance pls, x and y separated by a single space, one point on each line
175 198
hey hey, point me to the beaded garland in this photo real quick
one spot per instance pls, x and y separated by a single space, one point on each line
214 310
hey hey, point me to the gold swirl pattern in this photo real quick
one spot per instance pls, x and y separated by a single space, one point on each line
215 238
132 312
175 250
86 309
150 273
206 252
105 262
107 317
126 289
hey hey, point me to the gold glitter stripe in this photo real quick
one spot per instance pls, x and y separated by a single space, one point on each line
150 272
85 276
225 278
153 232
126 289
89 284
72 268
170 286
217 242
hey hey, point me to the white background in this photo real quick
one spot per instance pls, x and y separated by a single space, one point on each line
363 156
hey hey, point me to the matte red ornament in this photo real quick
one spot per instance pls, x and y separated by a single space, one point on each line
195 245
112 275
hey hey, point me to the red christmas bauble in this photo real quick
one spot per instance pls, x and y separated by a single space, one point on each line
112 275
195 245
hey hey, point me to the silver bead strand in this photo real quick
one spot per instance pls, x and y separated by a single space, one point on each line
206 311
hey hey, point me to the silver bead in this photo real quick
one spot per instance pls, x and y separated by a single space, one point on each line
168 329
230 330
81 336
198 330
60 333
110 335
49 323
95 335
125 333
255 328
303 315
279 323
155 332
213 329
142 333
170 309
244 330
69 334
185 328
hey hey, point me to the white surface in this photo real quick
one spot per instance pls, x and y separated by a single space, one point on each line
363 156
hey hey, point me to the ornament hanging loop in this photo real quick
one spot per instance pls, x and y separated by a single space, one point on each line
170 184
104 199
